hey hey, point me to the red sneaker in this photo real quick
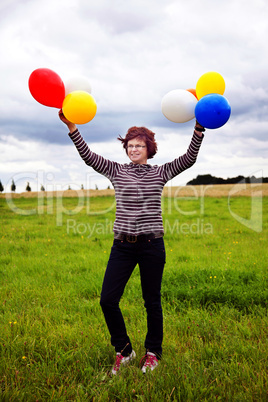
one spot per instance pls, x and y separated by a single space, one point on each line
122 360
151 362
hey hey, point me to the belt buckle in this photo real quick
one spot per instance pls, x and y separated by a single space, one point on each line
131 238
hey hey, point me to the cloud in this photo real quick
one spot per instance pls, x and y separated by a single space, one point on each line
119 17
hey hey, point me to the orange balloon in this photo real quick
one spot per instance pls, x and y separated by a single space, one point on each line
193 91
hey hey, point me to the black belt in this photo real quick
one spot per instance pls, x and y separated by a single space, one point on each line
135 239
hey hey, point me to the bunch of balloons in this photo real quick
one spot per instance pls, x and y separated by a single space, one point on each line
206 102
74 97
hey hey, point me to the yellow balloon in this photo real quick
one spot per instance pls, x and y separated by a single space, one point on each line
79 107
210 83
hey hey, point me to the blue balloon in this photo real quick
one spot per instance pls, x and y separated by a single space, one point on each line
212 111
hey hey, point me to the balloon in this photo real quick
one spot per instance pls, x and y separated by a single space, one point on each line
212 111
47 87
79 107
193 91
77 83
210 83
178 105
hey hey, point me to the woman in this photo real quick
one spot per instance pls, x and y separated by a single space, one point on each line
138 233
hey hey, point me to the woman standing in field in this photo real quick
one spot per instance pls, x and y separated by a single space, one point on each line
138 233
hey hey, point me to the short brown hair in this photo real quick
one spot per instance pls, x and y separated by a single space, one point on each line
145 134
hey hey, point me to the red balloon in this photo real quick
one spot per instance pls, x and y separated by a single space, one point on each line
47 87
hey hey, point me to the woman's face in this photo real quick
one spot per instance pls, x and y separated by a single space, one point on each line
137 151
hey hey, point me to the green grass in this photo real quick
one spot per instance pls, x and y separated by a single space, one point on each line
54 344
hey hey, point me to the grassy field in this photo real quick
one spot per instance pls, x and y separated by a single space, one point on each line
54 344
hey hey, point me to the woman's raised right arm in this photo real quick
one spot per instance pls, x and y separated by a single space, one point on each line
97 162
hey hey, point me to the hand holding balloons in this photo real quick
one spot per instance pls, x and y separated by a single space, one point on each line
74 98
206 103
71 126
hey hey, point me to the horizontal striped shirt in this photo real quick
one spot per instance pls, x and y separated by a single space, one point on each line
138 187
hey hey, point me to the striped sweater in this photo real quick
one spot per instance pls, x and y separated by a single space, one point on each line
138 188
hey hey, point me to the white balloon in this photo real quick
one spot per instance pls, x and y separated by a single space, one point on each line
179 105
77 83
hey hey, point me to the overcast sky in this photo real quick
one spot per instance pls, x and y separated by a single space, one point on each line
133 53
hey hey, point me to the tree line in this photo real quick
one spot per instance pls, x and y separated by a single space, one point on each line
28 187
205 179
209 179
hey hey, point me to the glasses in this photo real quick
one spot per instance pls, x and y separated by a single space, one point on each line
136 146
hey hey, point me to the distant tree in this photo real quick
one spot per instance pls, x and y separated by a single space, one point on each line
28 188
42 188
108 188
82 187
69 188
13 186
96 187
1 187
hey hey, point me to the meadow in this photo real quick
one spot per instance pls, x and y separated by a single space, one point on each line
54 344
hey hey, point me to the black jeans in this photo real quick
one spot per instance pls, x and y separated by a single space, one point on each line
150 256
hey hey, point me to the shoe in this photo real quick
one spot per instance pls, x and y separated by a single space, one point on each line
122 360
151 362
